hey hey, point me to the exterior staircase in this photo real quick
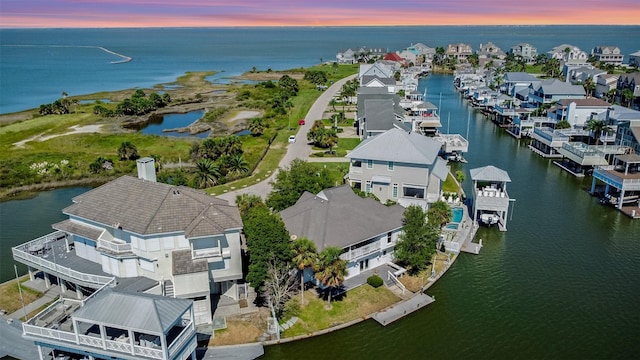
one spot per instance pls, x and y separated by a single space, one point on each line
168 288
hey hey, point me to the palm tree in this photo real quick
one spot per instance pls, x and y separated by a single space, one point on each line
333 103
589 86
305 255
256 126
628 96
207 173
127 151
598 127
331 269
237 165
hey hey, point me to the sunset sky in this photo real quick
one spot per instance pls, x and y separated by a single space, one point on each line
222 13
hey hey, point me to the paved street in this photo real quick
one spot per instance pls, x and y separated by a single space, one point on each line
300 149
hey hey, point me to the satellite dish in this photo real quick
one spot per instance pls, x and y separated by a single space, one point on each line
293 237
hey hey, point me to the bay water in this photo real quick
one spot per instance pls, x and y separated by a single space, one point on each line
560 283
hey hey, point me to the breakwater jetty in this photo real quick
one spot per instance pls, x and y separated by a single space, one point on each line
124 58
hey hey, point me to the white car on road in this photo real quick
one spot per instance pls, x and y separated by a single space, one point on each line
292 139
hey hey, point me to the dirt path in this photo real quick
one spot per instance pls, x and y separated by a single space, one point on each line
75 129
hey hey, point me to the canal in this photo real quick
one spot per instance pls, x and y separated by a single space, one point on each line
562 282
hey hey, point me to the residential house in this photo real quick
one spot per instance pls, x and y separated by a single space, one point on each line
395 57
622 183
634 59
409 57
378 116
553 90
365 229
399 166
577 111
373 81
580 74
183 240
422 51
628 135
608 54
526 51
460 52
378 69
359 55
568 54
605 85
490 51
630 82
114 324
518 83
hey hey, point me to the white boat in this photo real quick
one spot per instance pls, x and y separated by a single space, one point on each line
489 219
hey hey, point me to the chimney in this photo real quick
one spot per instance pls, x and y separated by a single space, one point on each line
147 169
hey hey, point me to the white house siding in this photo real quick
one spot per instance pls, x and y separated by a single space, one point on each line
130 267
411 175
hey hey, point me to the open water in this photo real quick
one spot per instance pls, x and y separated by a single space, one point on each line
562 282
37 65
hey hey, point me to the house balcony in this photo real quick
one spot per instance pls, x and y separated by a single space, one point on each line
113 247
587 155
41 254
55 326
361 251
550 137
613 176
505 111
210 252
453 143
491 198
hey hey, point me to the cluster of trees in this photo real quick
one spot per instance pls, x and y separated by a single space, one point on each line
421 232
138 104
322 136
58 107
317 77
218 160
291 183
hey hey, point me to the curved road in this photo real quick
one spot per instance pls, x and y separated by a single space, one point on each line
299 149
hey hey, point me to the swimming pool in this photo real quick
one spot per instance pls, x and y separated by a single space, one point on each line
457 214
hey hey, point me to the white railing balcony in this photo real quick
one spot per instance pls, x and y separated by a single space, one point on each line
186 334
22 254
114 247
206 253
608 175
362 251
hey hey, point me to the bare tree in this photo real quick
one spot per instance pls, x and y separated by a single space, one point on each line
280 285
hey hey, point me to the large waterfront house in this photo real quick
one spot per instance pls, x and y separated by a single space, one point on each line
361 54
526 51
365 229
568 54
577 111
490 198
608 54
171 240
553 90
115 324
622 183
460 52
517 82
490 51
400 166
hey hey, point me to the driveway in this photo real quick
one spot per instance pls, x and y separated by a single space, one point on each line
297 150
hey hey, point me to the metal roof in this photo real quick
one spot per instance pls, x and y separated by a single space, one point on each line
138 311
490 173
399 146
338 217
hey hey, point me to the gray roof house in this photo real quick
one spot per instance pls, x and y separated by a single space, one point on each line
184 240
115 324
608 54
528 52
399 166
366 229
377 111
517 81
553 90
379 82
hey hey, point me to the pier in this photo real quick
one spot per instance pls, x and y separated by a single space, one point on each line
394 313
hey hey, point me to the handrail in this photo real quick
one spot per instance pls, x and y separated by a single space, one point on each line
185 334
390 276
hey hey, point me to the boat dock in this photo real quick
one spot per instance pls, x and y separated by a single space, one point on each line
394 313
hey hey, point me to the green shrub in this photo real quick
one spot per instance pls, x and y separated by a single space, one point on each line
375 281
291 308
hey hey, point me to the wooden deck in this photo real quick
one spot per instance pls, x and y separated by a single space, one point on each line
631 211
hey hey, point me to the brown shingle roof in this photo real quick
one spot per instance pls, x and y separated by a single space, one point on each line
144 207
585 102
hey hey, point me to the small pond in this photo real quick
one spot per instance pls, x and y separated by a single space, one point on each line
157 124
243 132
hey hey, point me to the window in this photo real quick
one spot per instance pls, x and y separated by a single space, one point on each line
389 237
395 191
356 163
413 192
367 188
390 165
369 164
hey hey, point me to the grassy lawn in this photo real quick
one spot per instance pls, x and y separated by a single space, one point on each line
348 143
414 283
356 303
10 295
450 185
